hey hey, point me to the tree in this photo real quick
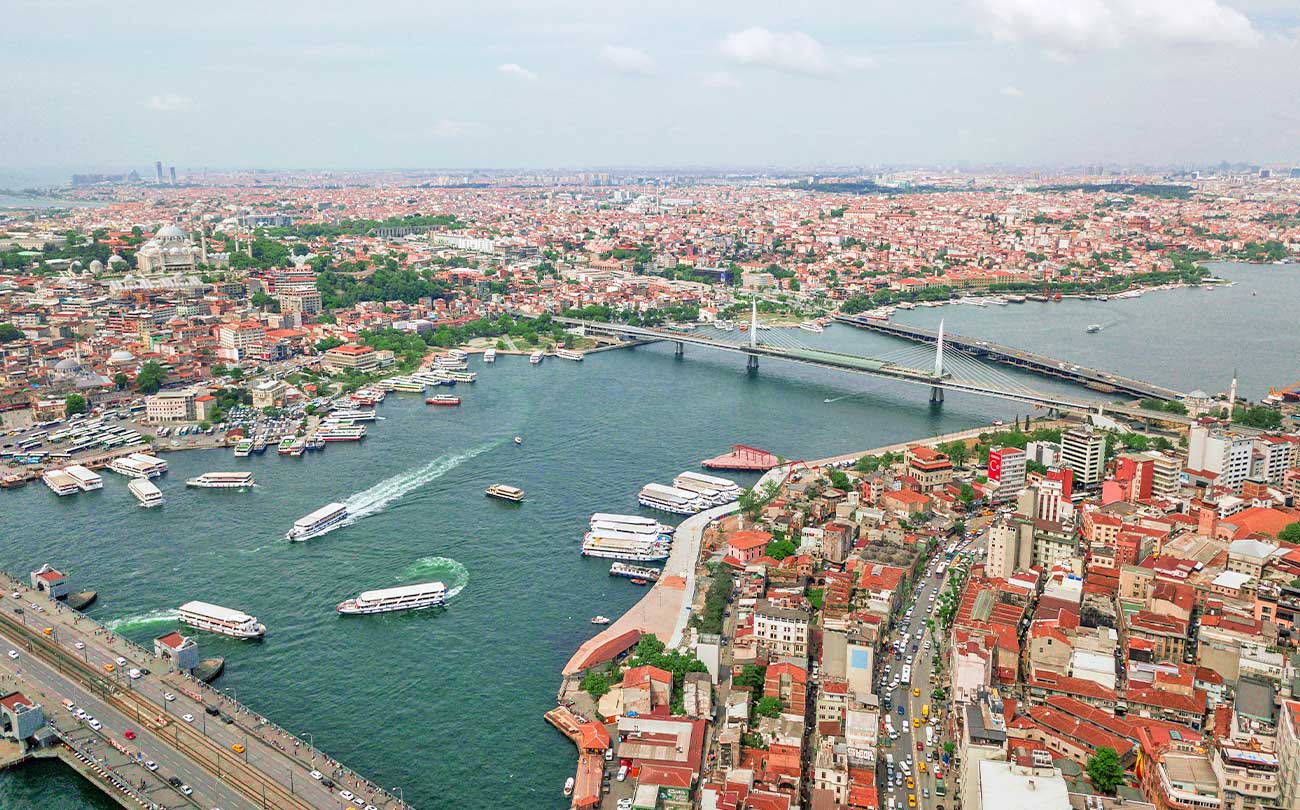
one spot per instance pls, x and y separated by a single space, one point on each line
121 380
9 332
752 676
151 378
74 404
1105 771
956 451
966 494
768 707
1290 533
840 480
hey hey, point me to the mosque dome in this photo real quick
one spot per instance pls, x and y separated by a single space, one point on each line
169 232
121 357
67 365
97 266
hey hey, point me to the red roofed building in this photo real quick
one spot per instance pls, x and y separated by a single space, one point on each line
748 545
928 466
787 683
645 688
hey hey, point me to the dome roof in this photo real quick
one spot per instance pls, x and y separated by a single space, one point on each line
1198 394
96 266
120 357
68 365
115 259
169 232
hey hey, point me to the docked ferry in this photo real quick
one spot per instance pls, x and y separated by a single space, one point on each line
489 355
620 546
619 569
138 465
811 326
285 447
218 619
569 354
86 479
222 480
716 491
317 523
354 414
651 529
145 492
60 483
670 499
368 397
243 448
536 357
259 444
505 492
341 432
403 597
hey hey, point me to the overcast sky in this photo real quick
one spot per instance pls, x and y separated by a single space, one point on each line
571 83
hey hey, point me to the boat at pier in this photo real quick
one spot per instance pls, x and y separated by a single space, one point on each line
670 499
318 522
649 528
285 445
626 546
354 414
368 397
243 448
86 479
811 326
341 432
505 492
716 491
569 354
489 355
221 620
138 465
462 376
536 357
222 480
619 569
569 783
260 443
60 483
403 597
145 492
600 620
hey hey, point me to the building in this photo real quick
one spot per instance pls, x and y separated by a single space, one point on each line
362 359
269 394
1249 778
748 545
306 302
1029 782
1166 474
171 406
928 466
1288 754
52 582
1006 472
1083 451
170 251
235 341
20 718
782 631
1004 555
182 650
1224 454
645 688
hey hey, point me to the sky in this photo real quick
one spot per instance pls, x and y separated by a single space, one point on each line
616 83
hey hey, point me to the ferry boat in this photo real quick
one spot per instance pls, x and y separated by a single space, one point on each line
461 376
444 400
60 483
299 446
145 492
459 354
221 620
403 597
341 433
318 522
811 326
568 354
244 448
670 499
1016 299
716 490
368 397
1093 328
619 569
615 546
222 480
354 414
598 620
489 355
86 479
138 465
285 446
536 357
505 492
405 385
618 524
259 444
450 363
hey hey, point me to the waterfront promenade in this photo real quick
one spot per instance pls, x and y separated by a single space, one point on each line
227 754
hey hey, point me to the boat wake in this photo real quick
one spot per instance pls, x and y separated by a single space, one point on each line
443 569
376 498
131 622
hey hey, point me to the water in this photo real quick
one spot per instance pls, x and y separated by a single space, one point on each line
448 703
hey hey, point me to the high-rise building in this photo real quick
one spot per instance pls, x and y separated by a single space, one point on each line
1083 450
157 167
1006 472
173 175
1166 474
1225 454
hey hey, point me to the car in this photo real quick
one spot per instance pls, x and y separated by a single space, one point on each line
624 804
120 661
13 654
93 723
168 696
227 719
911 783
609 754
151 765
346 794
173 781
316 775
186 789
925 793
189 718
920 746
920 766
134 673
15 594
129 734
916 692
109 667
80 645
238 748
916 722
80 714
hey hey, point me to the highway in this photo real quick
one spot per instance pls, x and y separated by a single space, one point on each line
228 756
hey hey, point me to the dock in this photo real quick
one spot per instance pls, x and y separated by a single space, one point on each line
742 457
227 754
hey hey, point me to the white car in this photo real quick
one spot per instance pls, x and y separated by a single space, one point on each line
93 723
13 654
80 645
168 696
317 775
151 765
346 794
121 662
189 718
186 789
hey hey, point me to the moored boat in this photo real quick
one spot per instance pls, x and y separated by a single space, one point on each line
489 355
569 354
536 357
600 620
445 400
145 492
222 480
60 483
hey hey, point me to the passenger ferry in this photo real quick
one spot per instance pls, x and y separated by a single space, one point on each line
450 363
462 376
138 465
811 326
489 355
670 499
299 446
403 597
536 357
259 444
459 354
317 523
341 433
653 530
569 354
243 448
716 490
145 492
86 479
368 397
285 446
505 492
354 414
445 400
222 480
60 483
217 619
619 546
619 569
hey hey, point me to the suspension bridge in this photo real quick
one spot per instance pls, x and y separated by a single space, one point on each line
938 366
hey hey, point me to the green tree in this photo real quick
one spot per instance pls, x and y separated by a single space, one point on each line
956 451
1104 770
121 380
840 480
1290 533
9 332
151 378
74 404
752 676
768 707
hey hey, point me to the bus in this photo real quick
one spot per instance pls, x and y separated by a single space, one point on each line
29 445
940 569
939 789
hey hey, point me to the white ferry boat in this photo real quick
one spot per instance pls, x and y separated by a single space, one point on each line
505 492
243 448
341 433
462 376
811 326
626 571
489 355
367 396
145 492
459 354
670 499
218 619
285 446
222 480
536 357
569 354
138 465
450 363
86 479
655 531
616 546
624 520
724 490
318 522
354 414
60 483
403 597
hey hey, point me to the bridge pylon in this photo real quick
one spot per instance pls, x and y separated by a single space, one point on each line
751 365
936 392
679 348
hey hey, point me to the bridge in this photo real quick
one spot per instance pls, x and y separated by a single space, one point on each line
163 739
946 368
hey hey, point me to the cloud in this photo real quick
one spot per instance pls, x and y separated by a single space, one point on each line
447 128
628 60
518 72
1065 27
170 102
790 52
720 80
1012 92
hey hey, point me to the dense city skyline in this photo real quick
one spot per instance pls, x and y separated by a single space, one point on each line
987 81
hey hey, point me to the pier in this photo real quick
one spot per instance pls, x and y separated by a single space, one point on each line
225 753
742 457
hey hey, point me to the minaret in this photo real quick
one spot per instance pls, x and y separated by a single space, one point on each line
1232 392
203 244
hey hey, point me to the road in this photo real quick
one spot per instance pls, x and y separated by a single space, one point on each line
229 756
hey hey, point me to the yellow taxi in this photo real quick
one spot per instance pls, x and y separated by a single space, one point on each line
921 767
916 691
911 800
49 631
916 722
911 784
238 748
109 667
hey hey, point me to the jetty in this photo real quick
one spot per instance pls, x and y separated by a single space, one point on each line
742 457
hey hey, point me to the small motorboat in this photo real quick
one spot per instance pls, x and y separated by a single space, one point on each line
519 440
568 786
639 581
600 620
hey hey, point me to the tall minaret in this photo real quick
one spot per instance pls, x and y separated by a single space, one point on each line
1232 392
